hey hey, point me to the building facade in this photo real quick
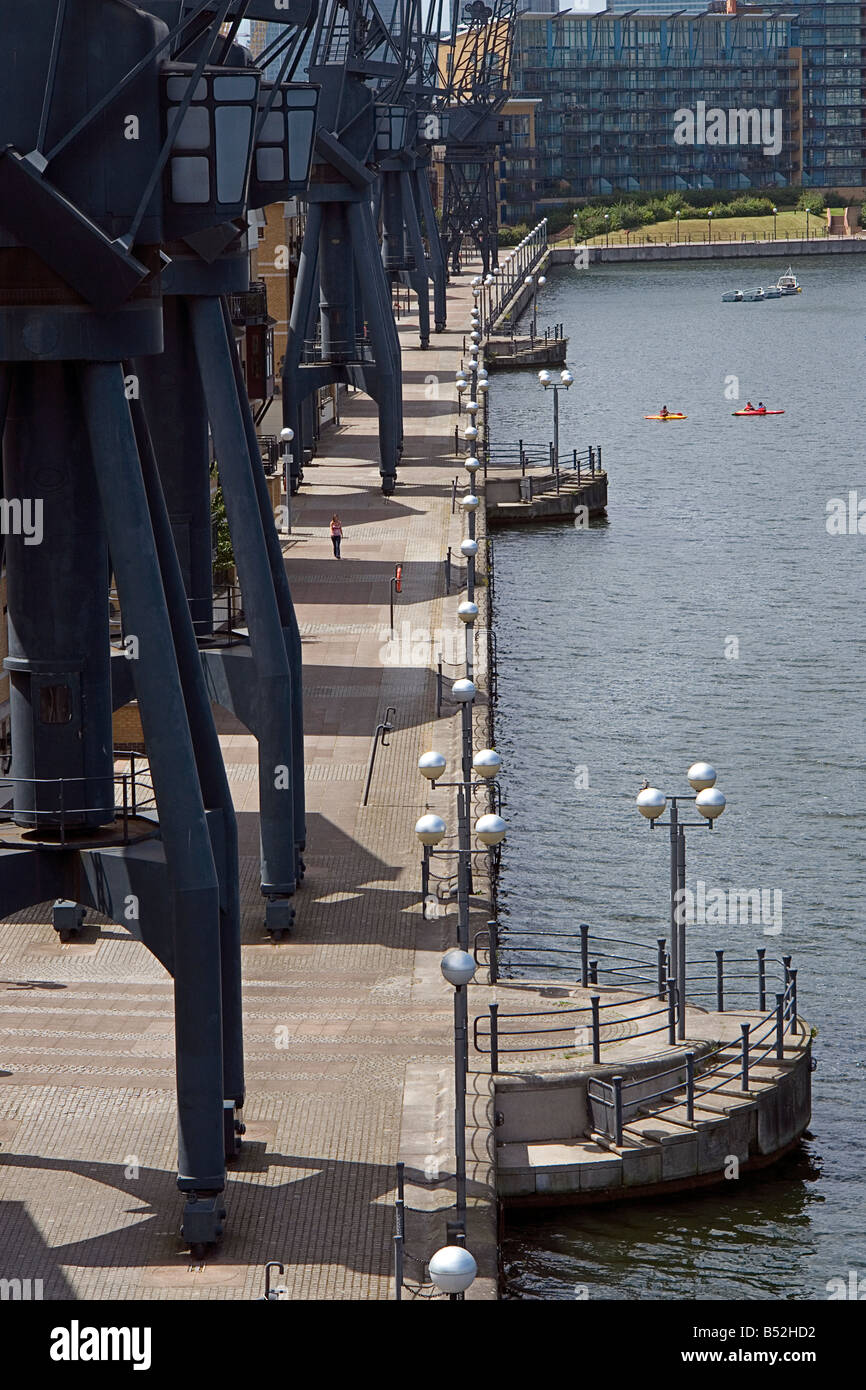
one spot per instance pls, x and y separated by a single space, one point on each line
733 98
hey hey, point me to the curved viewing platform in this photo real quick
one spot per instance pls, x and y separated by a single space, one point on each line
602 1094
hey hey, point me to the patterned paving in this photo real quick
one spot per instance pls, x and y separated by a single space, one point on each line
335 1018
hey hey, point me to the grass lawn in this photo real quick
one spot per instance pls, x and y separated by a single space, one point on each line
788 224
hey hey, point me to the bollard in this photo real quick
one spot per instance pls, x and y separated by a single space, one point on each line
617 1110
793 1027
593 972
690 1087
494 1039
439 686
584 954
780 1025
595 1004
672 1008
448 571
453 496
744 1079
400 1236
661 943
720 981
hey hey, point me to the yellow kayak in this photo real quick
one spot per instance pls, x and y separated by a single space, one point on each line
671 415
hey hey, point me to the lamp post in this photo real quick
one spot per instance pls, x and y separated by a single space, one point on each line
808 213
287 435
467 613
470 435
469 550
775 210
458 968
453 1270
483 388
565 381
709 224
464 692
490 828
534 286
678 215
607 229
710 803
486 302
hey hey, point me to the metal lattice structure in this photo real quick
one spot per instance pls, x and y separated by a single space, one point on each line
342 327
120 237
474 65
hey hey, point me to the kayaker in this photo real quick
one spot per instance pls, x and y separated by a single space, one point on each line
749 405
664 412
762 409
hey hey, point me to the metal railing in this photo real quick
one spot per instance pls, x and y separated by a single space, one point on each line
642 965
342 350
702 239
521 455
133 797
384 727
610 1105
723 989
228 616
510 275
588 955
585 1026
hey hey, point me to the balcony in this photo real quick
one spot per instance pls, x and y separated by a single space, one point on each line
250 306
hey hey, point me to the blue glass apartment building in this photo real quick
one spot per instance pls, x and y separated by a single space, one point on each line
668 98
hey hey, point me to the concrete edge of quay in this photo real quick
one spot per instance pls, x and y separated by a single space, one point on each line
784 248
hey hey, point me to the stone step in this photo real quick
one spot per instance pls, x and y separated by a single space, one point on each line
560 1153
656 1130
566 1167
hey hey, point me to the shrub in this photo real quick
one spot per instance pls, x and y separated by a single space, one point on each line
223 553
815 203
510 236
747 206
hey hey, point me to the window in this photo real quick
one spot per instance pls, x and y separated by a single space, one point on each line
55 706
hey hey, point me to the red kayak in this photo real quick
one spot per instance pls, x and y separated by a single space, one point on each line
757 412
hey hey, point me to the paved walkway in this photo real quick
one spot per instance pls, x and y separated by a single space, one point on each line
348 1024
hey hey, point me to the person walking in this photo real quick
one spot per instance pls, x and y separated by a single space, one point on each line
336 534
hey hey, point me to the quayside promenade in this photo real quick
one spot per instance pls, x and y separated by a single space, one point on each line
348 1024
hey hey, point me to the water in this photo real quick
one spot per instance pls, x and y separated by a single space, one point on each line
613 667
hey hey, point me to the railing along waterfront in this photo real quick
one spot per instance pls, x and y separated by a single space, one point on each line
611 1104
621 239
509 276
583 1023
632 963
579 462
